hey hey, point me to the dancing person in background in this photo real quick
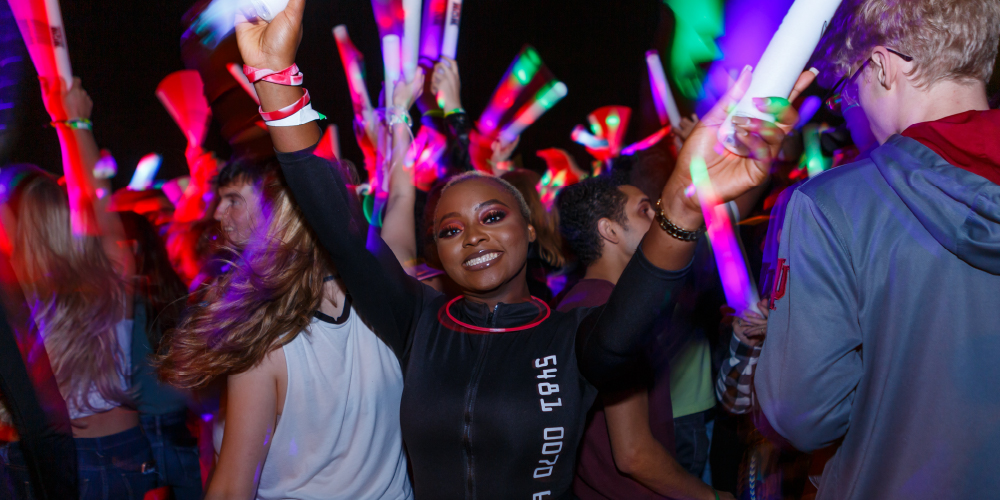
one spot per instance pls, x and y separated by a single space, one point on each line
628 446
495 352
883 310
312 401
74 280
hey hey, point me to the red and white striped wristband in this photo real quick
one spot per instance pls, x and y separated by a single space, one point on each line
288 76
286 111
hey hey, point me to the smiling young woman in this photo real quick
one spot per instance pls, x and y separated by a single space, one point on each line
497 387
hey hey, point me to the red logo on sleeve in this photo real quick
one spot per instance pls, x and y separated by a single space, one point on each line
778 288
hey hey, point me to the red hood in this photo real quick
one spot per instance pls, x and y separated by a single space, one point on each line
969 140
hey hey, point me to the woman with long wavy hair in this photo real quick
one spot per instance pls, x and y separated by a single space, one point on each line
312 395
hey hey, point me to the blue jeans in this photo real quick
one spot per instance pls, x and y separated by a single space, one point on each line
176 453
692 440
119 466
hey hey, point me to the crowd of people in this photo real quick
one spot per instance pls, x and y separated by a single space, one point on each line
271 336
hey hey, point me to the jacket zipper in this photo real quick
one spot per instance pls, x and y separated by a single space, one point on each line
470 402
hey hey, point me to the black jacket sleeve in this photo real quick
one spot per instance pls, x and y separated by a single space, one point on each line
458 148
609 338
384 295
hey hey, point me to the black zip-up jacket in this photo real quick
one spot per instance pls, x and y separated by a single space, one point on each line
483 415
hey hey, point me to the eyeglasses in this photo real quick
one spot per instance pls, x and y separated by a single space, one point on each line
844 95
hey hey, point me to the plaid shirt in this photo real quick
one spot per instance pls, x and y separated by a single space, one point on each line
734 386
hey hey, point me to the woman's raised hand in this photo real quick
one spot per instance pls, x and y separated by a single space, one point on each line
271 45
732 174
405 94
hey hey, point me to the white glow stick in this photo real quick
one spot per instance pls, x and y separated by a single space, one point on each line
267 9
411 37
782 62
59 50
145 171
390 56
532 111
449 45
666 107
41 26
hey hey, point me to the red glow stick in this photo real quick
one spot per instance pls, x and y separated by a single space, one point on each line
529 113
237 71
741 293
519 74
41 26
329 145
449 43
610 123
182 93
663 98
354 67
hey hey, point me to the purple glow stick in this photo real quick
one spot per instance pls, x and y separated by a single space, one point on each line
544 100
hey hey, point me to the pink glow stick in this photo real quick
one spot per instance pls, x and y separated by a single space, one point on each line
182 93
353 66
237 71
41 26
663 98
411 37
329 145
529 113
741 293
449 43
647 142
588 140
145 171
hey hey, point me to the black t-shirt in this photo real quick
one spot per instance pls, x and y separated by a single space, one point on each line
483 415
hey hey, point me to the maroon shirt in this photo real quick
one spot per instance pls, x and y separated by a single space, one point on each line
596 474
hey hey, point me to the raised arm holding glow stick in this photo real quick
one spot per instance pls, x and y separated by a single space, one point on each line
782 62
544 100
519 74
449 42
663 98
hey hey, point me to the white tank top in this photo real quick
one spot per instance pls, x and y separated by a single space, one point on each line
338 435
123 332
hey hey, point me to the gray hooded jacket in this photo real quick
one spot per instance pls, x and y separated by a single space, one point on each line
885 332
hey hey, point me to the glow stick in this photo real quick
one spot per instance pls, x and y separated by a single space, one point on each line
183 94
411 37
390 56
237 71
741 293
815 161
588 140
41 26
353 66
449 43
647 142
663 98
267 9
145 171
810 105
782 62
519 74
427 149
610 123
561 171
432 29
106 166
529 113
329 145
174 188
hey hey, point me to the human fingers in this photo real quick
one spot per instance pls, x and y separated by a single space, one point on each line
786 114
720 111
804 81
761 138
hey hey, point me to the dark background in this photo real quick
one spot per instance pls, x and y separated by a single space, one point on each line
122 50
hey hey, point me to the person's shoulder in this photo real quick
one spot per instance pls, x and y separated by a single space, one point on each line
844 177
586 293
